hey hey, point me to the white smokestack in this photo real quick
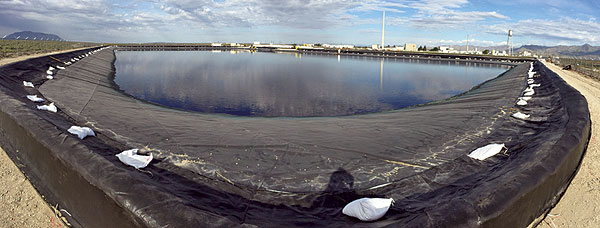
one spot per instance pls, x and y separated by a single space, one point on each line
383 31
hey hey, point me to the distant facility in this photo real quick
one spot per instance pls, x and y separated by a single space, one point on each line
410 47
339 46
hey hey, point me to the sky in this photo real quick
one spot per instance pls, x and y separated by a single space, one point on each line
424 22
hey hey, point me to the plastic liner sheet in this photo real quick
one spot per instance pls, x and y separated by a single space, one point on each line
224 171
56 164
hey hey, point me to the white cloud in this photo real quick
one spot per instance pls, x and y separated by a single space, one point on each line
297 14
442 14
316 14
437 6
472 41
565 30
92 20
183 20
452 19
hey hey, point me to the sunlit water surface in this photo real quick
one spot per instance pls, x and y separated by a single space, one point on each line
291 84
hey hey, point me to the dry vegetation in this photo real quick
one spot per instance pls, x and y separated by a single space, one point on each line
15 48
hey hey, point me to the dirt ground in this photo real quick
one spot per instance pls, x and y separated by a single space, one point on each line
20 203
580 205
22 206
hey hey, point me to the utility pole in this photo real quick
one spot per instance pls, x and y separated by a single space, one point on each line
509 42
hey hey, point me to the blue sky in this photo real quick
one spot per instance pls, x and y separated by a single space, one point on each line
425 22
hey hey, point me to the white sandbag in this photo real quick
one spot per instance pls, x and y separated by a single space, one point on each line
520 115
131 158
50 68
521 102
51 107
534 85
482 153
49 77
35 98
368 209
60 68
529 93
68 63
531 74
530 81
49 72
81 132
27 84
525 98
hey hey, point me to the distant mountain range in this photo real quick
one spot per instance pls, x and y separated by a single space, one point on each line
586 50
29 35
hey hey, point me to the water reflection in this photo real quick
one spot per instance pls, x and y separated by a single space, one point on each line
269 84
380 75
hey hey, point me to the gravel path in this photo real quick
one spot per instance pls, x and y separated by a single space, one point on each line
580 205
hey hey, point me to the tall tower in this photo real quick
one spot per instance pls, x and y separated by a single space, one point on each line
383 31
467 43
509 42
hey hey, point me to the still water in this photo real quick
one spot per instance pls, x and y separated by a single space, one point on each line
291 84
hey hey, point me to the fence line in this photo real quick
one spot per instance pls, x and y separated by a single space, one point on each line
583 66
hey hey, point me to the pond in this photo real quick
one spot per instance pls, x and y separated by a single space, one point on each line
270 84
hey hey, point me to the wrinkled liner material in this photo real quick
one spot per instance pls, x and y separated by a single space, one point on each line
215 171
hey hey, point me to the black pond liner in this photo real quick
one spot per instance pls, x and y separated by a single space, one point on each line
225 171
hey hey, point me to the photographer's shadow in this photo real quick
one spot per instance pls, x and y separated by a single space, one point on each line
339 192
